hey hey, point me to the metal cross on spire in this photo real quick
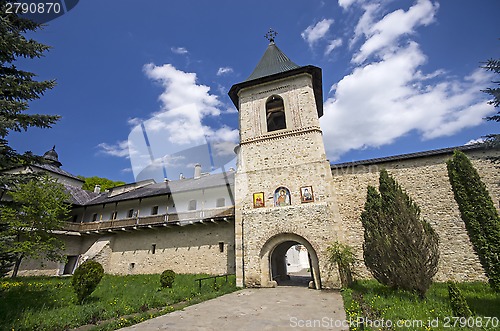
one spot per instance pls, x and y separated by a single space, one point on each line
270 35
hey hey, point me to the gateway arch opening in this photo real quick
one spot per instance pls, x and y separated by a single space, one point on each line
290 264
282 260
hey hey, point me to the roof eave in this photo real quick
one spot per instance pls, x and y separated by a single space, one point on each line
314 71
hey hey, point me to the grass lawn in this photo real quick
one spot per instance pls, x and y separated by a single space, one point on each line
47 303
369 300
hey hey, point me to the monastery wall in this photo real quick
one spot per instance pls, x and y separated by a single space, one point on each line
188 249
425 179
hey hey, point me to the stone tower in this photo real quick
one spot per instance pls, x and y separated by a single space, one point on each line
283 184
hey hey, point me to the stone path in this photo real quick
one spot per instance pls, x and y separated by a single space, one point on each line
280 308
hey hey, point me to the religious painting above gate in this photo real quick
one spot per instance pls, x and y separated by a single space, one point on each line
306 194
258 200
282 197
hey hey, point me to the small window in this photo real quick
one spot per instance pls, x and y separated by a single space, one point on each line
154 210
153 248
221 202
221 246
94 218
130 213
192 205
275 114
75 218
114 215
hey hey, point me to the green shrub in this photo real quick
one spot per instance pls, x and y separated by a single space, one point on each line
458 303
86 278
479 214
167 278
343 257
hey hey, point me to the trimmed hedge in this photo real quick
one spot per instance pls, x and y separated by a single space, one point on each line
167 278
86 278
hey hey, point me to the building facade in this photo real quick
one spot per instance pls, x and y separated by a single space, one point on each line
284 193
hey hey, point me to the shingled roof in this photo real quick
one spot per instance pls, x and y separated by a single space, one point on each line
272 62
170 187
275 65
401 157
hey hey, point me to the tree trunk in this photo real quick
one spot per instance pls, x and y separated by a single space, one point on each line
17 265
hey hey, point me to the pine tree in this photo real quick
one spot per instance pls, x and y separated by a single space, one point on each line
7 257
17 88
478 212
400 249
493 140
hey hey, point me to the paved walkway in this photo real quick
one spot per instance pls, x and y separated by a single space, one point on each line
280 308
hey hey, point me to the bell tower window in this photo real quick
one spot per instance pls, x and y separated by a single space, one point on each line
275 114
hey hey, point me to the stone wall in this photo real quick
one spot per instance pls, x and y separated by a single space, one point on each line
426 180
188 249
42 267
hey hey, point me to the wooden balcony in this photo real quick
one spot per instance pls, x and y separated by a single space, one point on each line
177 219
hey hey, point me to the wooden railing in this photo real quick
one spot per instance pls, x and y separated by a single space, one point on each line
153 220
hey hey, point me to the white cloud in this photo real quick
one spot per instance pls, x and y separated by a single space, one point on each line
177 127
332 45
179 50
347 3
382 101
120 149
383 35
313 33
388 95
224 71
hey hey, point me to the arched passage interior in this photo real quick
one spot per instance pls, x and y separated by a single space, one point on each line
274 264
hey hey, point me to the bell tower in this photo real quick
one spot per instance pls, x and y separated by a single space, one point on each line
283 183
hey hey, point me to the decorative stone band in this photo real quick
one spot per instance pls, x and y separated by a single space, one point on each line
282 134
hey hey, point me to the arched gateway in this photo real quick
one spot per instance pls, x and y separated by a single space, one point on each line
283 182
273 264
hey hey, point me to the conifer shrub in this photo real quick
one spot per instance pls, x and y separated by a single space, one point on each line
400 248
478 212
86 278
167 278
458 303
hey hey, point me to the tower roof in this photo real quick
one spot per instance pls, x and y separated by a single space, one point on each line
274 65
52 157
272 62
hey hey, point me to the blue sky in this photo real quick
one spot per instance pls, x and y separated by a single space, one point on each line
398 76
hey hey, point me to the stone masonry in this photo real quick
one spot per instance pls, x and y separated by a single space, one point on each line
426 180
291 158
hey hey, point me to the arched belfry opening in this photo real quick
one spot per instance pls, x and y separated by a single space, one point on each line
275 114
277 267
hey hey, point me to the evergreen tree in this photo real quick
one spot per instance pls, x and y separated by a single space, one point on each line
7 258
400 249
17 88
493 140
479 214
458 303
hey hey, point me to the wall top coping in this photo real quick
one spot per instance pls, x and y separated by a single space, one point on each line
435 152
